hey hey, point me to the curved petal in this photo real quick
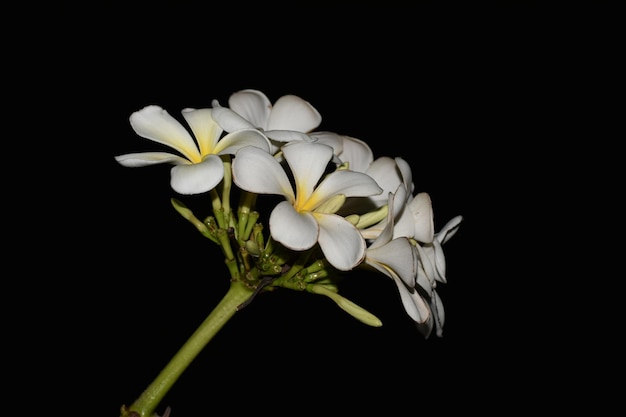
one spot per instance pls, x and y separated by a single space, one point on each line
414 304
229 120
341 242
143 159
407 175
440 261
357 153
422 210
348 183
154 123
257 171
385 172
307 161
331 139
427 264
293 113
436 305
204 128
399 256
426 327
252 105
288 136
198 178
297 231
449 229
236 140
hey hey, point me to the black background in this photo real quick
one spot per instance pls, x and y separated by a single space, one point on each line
473 100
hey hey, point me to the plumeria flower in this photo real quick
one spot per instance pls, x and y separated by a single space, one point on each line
307 216
433 270
289 113
397 259
198 167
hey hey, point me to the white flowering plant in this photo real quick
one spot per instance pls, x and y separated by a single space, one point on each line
339 210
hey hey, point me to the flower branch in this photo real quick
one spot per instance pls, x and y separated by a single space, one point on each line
340 210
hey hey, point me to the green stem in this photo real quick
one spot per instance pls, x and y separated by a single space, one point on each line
146 404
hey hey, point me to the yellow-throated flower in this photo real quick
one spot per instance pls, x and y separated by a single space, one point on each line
197 166
308 215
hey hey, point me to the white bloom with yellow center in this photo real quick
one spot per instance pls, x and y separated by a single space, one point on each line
308 215
198 167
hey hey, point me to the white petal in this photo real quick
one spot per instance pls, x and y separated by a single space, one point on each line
423 282
288 136
154 123
406 174
399 201
204 128
341 242
427 262
404 224
449 229
357 153
252 105
308 161
331 139
236 140
439 260
348 183
399 256
385 172
414 304
422 210
426 327
198 178
436 305
383 230
297 231
257 171
143 159
229 120
293 113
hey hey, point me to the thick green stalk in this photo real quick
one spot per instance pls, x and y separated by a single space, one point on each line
146 404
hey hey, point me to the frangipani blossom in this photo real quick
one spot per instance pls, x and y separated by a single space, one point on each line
433 270
397 259
288 113
198 167
308 215
432 255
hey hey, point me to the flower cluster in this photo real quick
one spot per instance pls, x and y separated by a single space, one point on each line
339 208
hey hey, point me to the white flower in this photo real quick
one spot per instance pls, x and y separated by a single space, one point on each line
432 270
289 112
280 121
397 259
308 214
198 168
432 254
